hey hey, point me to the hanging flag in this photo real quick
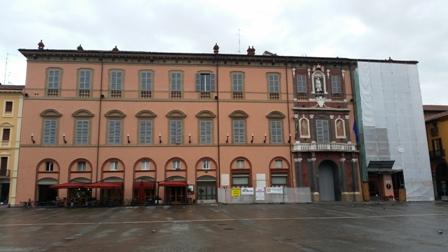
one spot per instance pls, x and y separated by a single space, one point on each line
355 129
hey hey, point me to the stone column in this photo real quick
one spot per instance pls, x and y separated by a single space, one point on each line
355 185
342 183
313 178
298 170
355 174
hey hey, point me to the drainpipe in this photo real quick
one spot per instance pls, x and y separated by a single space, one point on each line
290 141
218 175
358 117
99 124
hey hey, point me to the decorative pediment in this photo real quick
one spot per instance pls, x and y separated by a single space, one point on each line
320 101
6 125
145 114
275 115
238 114
50 113
176 114
115 114
82 113
205 114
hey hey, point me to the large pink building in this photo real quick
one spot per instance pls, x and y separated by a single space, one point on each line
126 126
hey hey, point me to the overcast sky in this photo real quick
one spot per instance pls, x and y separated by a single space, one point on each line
402 29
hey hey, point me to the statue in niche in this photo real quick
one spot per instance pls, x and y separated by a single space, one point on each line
339 128
304 128
318 84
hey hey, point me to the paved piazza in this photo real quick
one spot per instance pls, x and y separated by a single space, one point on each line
294 227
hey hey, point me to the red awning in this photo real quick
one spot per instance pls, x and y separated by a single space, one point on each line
106 185
144 185
70 185
173 183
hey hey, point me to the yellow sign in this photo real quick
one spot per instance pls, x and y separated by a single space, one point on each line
236 192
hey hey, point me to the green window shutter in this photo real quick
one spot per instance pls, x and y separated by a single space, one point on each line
212 82
198 82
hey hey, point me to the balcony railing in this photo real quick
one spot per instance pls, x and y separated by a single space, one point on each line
440 153
5 143
176 94
4 173
52 92
155 95
146 94
205 95
237 95
84 93
115 93
274 96
341 147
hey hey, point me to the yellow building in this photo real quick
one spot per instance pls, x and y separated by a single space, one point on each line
11 100
436 119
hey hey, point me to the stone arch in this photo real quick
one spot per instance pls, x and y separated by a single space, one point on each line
176 114
121 166
329 188
50 113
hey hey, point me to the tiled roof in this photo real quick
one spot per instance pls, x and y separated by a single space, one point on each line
11 87
436 116
435 108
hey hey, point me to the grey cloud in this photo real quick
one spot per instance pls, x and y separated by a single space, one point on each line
401 29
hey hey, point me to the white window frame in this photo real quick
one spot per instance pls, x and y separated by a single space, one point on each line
113 165
239 138
276 139
145 165
178 137
278 164
176 163
84 139
81 166
238 81
240 163
52 137
147 138
49 166
6 113
206 164
114 139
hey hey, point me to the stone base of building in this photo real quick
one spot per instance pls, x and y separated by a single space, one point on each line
345 197
315 197
351 196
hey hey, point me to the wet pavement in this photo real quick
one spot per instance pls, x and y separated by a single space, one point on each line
288 227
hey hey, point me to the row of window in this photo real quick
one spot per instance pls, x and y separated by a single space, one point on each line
240 169
4 166
146 165
205 83
175 129
8 108
302 88
321 129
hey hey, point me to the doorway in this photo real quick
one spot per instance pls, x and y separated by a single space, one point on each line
442 182
176 194
46 195
144 191
4 192
328 181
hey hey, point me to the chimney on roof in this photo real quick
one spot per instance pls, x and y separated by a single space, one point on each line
80 48
41 45
216 49
251 51
115 49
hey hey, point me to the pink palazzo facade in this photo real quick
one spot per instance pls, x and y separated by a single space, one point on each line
142 125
